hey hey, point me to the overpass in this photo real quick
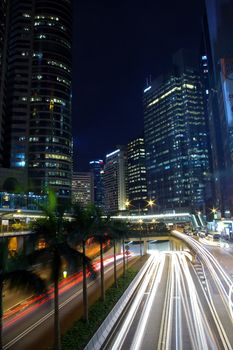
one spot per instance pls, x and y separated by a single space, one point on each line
196 220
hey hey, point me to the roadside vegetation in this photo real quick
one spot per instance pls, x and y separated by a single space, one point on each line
80 334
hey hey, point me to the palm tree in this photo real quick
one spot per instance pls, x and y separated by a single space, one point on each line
52 228
15 272
116 231
100 233
79 231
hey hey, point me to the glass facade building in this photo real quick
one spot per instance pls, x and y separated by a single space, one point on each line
3 17
115 181
176 136
136 173
218 36
97 170
82 188
38 92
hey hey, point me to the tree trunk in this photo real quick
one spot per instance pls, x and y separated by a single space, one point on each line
85 297
123 243
1 313
102 272
57 330
140 243
115 265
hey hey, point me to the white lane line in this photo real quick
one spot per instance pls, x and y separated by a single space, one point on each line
119 340
45 317
136 344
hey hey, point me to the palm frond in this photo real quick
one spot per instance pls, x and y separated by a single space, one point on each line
24 279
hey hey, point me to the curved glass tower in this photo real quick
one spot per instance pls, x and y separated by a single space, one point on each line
39 92
49 151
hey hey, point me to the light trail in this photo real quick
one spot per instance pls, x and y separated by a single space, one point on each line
151 266
44 318
185 313
29 305
147 308
222 280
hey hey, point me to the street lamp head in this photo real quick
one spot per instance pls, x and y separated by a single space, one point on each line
213 210
151 202
127 203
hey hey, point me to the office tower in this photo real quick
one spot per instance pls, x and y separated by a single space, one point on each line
136 174
38 93
97 170
218 36
219 19
176 137
3 9
115 181
82 188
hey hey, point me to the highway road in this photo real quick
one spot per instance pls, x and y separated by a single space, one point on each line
174 309
30 324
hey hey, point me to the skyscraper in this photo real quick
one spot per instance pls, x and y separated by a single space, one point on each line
82 188
38 92
136 173
3 17
218 35
97 170
115 181
176 137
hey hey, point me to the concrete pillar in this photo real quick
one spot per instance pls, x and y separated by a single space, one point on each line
144 248
20 241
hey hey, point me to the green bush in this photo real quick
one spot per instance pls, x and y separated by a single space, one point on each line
78 336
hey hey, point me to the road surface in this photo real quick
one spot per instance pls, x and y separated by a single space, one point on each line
173 309
30 325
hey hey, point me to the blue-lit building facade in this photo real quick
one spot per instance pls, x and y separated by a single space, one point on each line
97 169
218 37
176 137
37 79
29 201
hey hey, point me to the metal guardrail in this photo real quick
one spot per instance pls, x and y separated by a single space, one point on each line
15 233
102 333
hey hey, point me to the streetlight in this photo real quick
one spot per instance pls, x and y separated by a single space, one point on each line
150 204
213 210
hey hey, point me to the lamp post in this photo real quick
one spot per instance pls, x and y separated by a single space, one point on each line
140 234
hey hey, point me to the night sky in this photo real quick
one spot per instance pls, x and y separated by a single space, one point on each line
117 45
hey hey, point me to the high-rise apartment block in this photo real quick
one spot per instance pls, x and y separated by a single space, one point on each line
82 188
115 181
136 174
176 136
35 110
97 170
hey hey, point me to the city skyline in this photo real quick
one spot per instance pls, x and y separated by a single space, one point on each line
115 50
